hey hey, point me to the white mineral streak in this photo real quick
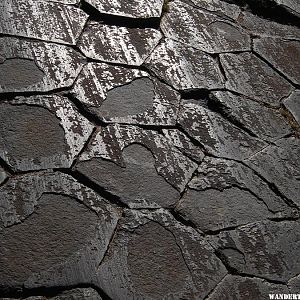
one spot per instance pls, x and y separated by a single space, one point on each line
34 185
51 22
219 7
109 142
130 46
96 80
183 67
60 65
203 31
131 9
77 130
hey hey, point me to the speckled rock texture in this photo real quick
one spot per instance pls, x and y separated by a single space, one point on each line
149 149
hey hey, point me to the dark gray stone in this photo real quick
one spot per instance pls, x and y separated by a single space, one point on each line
3 175
250 76
218 136
269 249
294 284
212 210
64 229
109 142
292 6
236 287
30 66
262 121
279 53
102 88
53 22
279 164
292 103
154 257
138 184
41 132
130 46
202 30
184 67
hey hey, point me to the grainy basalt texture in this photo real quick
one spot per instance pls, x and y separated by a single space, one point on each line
149 149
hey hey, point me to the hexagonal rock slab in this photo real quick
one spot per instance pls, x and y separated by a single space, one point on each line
218 7
62 226
217 135
250 76
121 95
3 175
28 66
49 21
203 31
131 9
183 67
236 287
154 257
129 46
263 122
231 193
183 143
261 27
74 294
292 103
279 52
279 164
127 160
41 132
264 249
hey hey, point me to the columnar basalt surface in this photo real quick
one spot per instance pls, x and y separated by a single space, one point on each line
149 149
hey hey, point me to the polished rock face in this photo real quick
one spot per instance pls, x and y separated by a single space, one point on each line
149 149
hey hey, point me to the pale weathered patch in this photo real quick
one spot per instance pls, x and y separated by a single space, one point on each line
184 67
41 132
49 21
48 66
130 46
250 76
110 141
131 9
154 257
203 30
292 103
62 226
129 96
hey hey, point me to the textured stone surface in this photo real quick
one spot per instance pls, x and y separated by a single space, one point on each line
265 28
202 31
129 272
130 46
49 21
3 175
292 6
279 52
106 152
236 287
263 122
130 96
41 132
279 165
132 9
218 7
264 249
184 67
292 103
243 70
62 226
36 66
217 135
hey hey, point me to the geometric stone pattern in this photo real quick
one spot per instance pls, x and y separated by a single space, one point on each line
149 149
